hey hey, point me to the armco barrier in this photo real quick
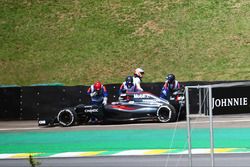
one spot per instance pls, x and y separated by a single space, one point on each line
31 102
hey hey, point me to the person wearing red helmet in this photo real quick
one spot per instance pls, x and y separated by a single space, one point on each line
138 74
98 93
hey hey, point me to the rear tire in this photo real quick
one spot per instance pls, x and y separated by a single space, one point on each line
166 113
67 117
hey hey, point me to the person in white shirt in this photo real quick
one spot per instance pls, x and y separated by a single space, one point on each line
138 75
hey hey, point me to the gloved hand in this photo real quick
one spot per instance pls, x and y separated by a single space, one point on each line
105 100
93 94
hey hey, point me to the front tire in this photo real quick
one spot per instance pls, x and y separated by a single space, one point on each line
67 117
166 113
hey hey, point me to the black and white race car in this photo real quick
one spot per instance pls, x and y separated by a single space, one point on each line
129 107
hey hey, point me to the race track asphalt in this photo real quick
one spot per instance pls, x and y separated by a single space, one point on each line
219 121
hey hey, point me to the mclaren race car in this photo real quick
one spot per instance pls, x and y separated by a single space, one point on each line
129 107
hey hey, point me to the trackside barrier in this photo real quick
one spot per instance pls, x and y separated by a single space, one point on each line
9 102
32 102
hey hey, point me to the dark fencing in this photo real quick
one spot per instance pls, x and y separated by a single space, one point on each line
10 103
32 102
43 100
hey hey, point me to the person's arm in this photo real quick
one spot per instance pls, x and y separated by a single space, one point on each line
105 92
105 95
90 93
122 90
138 84
163 93
178 85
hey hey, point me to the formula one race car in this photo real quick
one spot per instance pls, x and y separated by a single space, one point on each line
130 107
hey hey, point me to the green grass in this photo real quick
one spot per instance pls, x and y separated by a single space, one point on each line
79 42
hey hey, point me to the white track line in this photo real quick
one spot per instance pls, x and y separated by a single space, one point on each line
10 129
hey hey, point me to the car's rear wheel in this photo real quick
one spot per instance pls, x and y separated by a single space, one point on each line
166 113
67 117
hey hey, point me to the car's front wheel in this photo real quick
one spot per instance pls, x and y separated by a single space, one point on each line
67 117
166 113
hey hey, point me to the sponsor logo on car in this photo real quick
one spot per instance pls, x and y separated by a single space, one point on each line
141 96
41 122
91 110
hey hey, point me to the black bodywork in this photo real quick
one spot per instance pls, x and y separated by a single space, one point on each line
129 107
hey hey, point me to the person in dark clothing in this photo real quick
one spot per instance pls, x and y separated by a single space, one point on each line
170 85
128 86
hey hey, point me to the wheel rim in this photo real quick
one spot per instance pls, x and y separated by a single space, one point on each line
65 117
164 114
